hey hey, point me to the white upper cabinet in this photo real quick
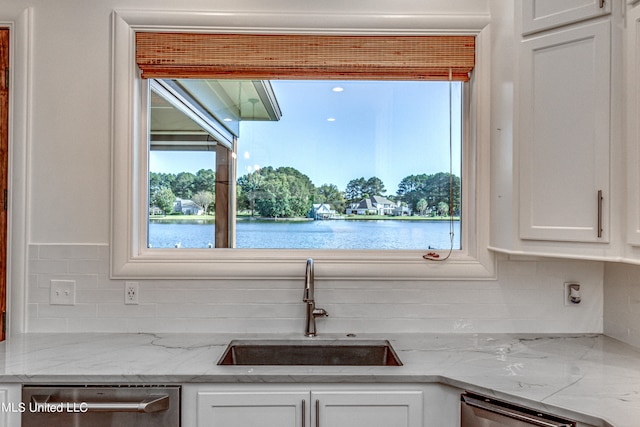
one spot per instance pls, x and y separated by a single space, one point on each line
564 133
632 81
539 15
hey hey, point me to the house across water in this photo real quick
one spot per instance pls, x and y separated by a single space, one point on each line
377 205
322 211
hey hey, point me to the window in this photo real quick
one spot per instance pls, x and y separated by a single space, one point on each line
131 256
321 164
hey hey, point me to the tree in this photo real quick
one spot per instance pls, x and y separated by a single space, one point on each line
250 186
275 201
184 185
422 206
432 188
157 180
205 180
443 209
164 199
204 199
374 187
353 192
277 193
439 188
329 193
357 189
301 190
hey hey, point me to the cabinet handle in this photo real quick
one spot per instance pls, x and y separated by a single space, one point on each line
317 412
602 4
304 413
600 213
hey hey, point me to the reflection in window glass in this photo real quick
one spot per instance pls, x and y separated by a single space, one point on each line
336 165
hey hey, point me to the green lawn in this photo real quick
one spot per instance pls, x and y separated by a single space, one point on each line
349 217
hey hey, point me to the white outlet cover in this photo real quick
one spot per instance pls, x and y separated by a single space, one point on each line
567 292
131 299
63 292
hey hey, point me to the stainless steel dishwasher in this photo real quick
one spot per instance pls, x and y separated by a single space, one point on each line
482 411
100 406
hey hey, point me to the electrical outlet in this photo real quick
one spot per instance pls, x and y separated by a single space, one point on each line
131 293
572 295
63 292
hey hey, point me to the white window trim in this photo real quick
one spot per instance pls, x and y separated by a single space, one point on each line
130 258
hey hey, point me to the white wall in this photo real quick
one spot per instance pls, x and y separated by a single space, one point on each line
622 302
68 208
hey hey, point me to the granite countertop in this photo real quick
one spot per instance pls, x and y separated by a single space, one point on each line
593 376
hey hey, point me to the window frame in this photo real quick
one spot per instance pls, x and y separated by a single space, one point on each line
130 258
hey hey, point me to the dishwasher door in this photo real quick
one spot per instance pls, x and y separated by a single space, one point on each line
101 406
477 410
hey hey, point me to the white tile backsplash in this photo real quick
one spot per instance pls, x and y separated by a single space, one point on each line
622 302
527 297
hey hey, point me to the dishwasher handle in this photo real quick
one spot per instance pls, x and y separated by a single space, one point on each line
521 414
154 403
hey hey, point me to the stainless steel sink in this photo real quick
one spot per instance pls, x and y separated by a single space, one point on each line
310 352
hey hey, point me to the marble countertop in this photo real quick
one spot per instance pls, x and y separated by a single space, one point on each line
594 376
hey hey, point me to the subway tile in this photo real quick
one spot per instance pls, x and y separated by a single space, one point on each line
525 298
32 252
99 325
68 252
83 281
48 325
124 311
87 266
48 266
99 296
66 311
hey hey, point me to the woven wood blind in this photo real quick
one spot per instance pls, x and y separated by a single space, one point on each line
268 57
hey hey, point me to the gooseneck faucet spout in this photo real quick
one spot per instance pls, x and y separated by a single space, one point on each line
310 300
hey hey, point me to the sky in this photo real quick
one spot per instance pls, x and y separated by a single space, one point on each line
385 129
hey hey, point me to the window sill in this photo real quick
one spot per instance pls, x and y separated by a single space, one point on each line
286 264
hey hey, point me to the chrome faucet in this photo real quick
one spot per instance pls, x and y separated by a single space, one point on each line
309 299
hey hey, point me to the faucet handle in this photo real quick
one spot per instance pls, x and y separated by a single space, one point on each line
320 312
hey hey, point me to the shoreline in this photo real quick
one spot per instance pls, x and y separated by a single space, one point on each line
211 218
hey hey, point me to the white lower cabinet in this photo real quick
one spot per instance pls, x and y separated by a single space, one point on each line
302 406
10 409
252 408
391 408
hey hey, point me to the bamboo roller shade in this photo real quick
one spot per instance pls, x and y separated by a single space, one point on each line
265 57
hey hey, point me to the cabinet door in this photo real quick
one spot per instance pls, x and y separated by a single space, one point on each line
633 126
564 126
540 15
367 409
248 409
10 400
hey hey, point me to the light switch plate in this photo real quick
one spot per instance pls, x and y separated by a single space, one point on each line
63 292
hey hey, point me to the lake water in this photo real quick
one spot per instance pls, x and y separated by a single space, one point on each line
336 234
